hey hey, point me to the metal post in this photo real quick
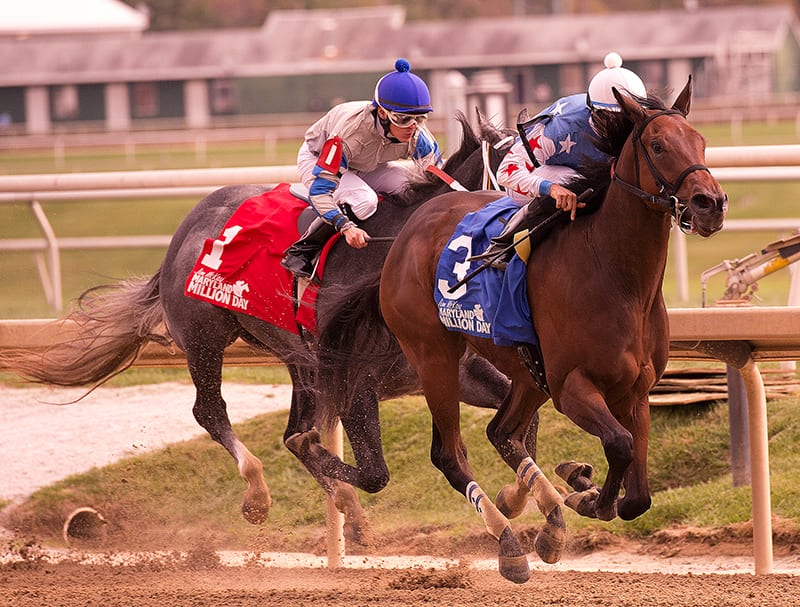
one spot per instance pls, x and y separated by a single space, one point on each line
759 462
739 431
334 442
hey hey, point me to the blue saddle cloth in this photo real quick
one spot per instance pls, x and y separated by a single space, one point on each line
493 304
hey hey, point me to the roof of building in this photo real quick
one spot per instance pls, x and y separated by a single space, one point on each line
369 40
25 18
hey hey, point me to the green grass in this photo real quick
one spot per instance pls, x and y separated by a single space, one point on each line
192 490
22 295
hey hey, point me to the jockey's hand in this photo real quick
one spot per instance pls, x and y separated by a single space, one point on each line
356 237
566 200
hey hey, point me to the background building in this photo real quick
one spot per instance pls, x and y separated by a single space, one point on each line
98 69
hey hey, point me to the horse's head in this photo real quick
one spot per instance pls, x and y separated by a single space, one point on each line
664 162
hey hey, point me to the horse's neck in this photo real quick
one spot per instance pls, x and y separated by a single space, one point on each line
632 238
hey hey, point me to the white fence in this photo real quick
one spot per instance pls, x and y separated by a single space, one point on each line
737 163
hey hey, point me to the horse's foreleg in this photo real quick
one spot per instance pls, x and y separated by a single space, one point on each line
636 500
305 442
581 401
308 448
362 426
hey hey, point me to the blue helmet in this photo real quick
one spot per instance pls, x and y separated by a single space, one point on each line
403 92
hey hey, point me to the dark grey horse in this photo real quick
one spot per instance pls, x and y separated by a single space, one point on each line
117 320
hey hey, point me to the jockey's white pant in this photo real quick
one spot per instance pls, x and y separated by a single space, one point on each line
358 189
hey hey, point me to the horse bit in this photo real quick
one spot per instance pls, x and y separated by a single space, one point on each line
667 199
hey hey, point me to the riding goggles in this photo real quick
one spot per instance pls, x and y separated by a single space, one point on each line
405 120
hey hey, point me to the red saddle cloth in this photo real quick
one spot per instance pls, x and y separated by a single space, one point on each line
240 270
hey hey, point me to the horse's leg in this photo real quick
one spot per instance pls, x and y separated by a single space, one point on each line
210 411
337 478
636 500
436 362
507 432
582 402
304 440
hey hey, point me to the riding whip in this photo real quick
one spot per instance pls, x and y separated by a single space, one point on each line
546 222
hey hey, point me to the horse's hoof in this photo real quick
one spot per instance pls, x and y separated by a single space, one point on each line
253 514
509 501
607 514
583 502
356 525
359 532
514 568
577 475
300 443
551 539
628 509
512 561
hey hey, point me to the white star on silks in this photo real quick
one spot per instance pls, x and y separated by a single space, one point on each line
567 144
559 108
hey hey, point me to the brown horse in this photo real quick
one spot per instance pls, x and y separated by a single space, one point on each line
594 288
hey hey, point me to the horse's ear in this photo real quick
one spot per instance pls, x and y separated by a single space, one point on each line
629 107
684 100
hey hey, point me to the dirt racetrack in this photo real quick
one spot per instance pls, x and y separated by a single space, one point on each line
683 572
160 585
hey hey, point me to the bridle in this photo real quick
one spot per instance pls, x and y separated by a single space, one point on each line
667 199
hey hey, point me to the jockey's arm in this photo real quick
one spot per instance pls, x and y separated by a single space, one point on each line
426 151
523 181
327 172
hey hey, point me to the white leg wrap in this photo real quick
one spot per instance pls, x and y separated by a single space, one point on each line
547 498
492 517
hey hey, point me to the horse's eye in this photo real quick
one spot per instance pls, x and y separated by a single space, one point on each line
656 147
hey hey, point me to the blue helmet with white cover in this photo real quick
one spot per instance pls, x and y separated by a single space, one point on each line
402 92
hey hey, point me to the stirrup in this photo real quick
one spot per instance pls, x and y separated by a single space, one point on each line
495 246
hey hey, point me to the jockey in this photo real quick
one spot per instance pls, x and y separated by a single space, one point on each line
560 138
350 153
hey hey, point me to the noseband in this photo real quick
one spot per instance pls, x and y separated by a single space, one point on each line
667 199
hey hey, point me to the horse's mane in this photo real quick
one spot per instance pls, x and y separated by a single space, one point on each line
613 129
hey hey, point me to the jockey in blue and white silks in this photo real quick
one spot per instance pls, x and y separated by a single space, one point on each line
357 149
561 138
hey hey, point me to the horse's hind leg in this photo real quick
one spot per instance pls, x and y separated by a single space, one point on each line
438 371
304 440
508 431
210 411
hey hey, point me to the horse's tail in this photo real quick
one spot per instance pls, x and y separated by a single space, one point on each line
103 335
355 349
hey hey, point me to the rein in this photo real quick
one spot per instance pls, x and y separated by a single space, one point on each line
667 199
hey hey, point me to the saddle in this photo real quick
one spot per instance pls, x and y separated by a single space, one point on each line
240 269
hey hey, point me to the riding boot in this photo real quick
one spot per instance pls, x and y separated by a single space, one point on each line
299 258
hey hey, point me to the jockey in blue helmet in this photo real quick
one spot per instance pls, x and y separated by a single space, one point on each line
351 153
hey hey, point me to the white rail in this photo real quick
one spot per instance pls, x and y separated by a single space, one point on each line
735 163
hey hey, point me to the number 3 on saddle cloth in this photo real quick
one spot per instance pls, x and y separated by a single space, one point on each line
494 303
240 270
